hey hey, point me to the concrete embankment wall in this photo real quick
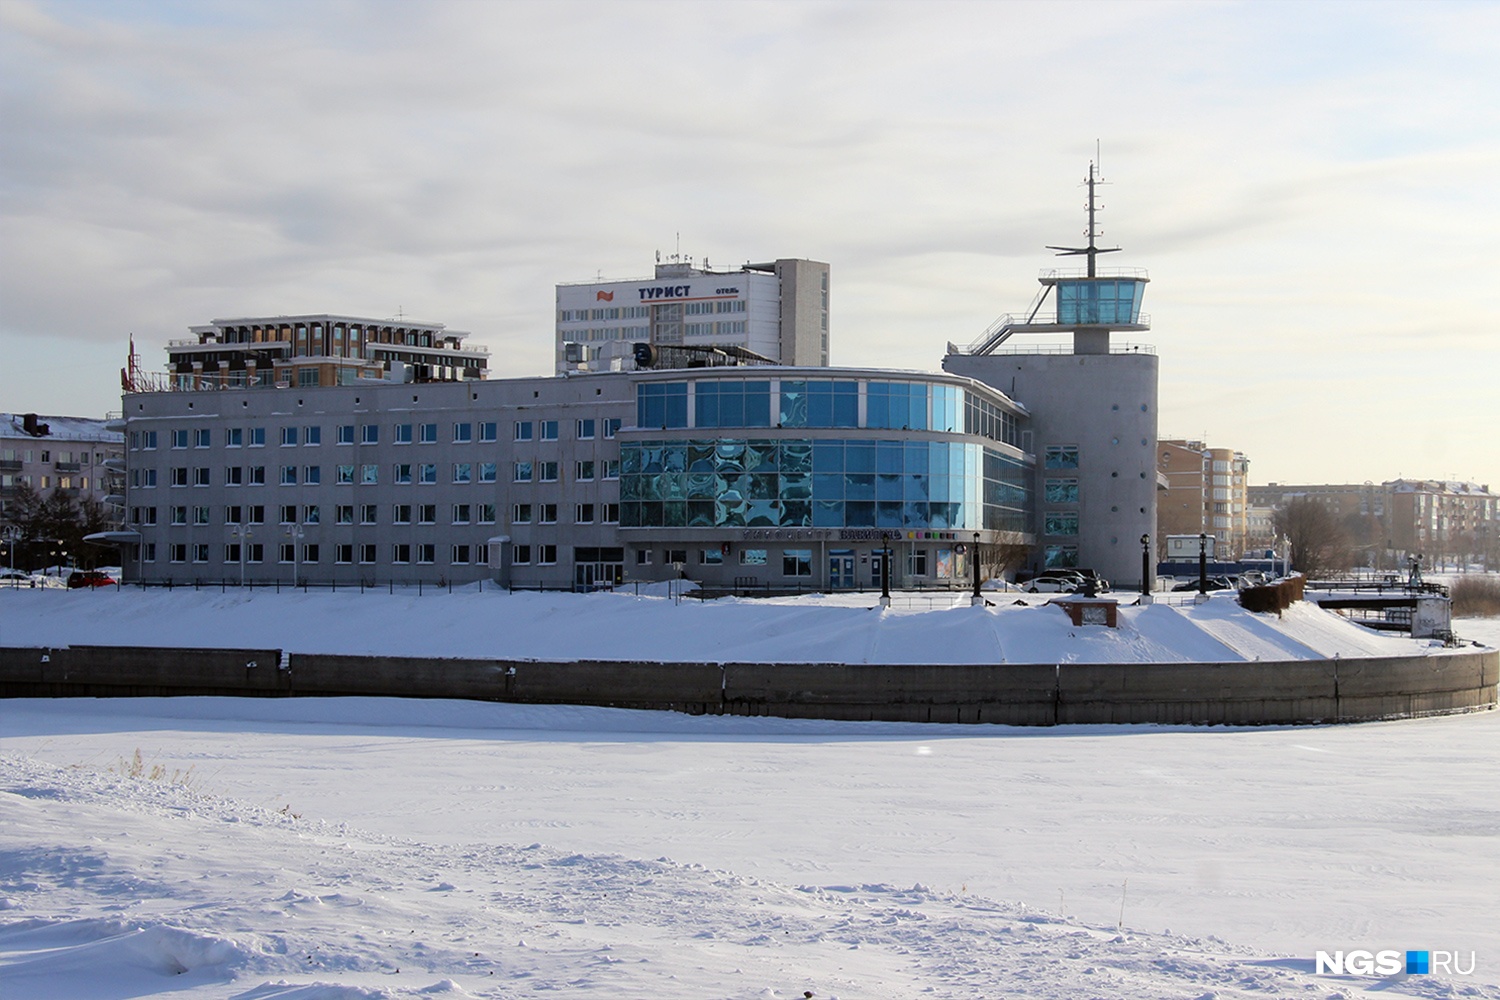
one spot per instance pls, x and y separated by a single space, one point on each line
1253 693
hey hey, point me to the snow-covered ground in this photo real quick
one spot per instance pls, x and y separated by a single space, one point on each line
324 849
840 628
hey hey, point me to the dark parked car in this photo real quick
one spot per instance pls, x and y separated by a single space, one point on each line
89 578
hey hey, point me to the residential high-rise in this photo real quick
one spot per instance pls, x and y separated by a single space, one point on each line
1205 493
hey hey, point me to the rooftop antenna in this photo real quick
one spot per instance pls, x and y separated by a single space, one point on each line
1093 233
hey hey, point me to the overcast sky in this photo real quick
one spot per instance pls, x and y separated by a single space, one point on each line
1315 188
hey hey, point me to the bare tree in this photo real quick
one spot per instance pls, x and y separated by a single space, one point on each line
1319 543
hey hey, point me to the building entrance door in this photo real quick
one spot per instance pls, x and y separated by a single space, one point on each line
598 569
841 569
876 561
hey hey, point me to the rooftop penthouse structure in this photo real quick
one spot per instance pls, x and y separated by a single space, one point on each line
315 350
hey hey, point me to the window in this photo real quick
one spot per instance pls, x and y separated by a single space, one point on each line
523 430
521 472
710 557
288 552
234 437
232 552
583 513
257 514
463 472
200 552
401 473
427 434
1060 556
310 514
400 553
486 513
200 477
343 513
462 512
486 472
179 475
611 426
752 557
643 557
611 468
148 552
179 440
520 555
288 475
403 434
1061 523
234 476
427 513
487 431
463 433
312 436
796 562
148 440
916 562
1061 456
310 552
289 513
586 429
546 555
427 473
583 471
611 513
257 437
547 472
549 430
547 513
1062 491
345 475
369 474
256 552
401 513
343 553
288 437
200 437
521 513
368 513
426 553
369 434
345 434
675 556
460 555
201 514
178 552
257 475
367 553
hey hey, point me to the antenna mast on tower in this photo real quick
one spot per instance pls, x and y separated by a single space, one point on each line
1091 250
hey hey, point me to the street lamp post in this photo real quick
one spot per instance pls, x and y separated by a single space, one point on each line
978 598
1202 563
295 534
885 571
1145 564
242 536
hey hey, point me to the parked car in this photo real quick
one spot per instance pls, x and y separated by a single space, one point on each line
1055 582
80 578
14 578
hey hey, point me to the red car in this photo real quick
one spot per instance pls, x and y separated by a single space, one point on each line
89 578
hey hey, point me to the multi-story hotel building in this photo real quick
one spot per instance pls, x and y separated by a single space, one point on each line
776 311
319 350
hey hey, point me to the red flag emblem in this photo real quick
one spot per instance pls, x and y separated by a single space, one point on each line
604 296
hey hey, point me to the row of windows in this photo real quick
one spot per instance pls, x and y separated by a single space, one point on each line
252 553
463 432
47 455
236 515
613 312
730 403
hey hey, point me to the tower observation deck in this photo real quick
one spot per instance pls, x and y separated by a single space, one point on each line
1090 303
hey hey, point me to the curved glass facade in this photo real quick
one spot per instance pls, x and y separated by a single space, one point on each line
832 483
715 402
